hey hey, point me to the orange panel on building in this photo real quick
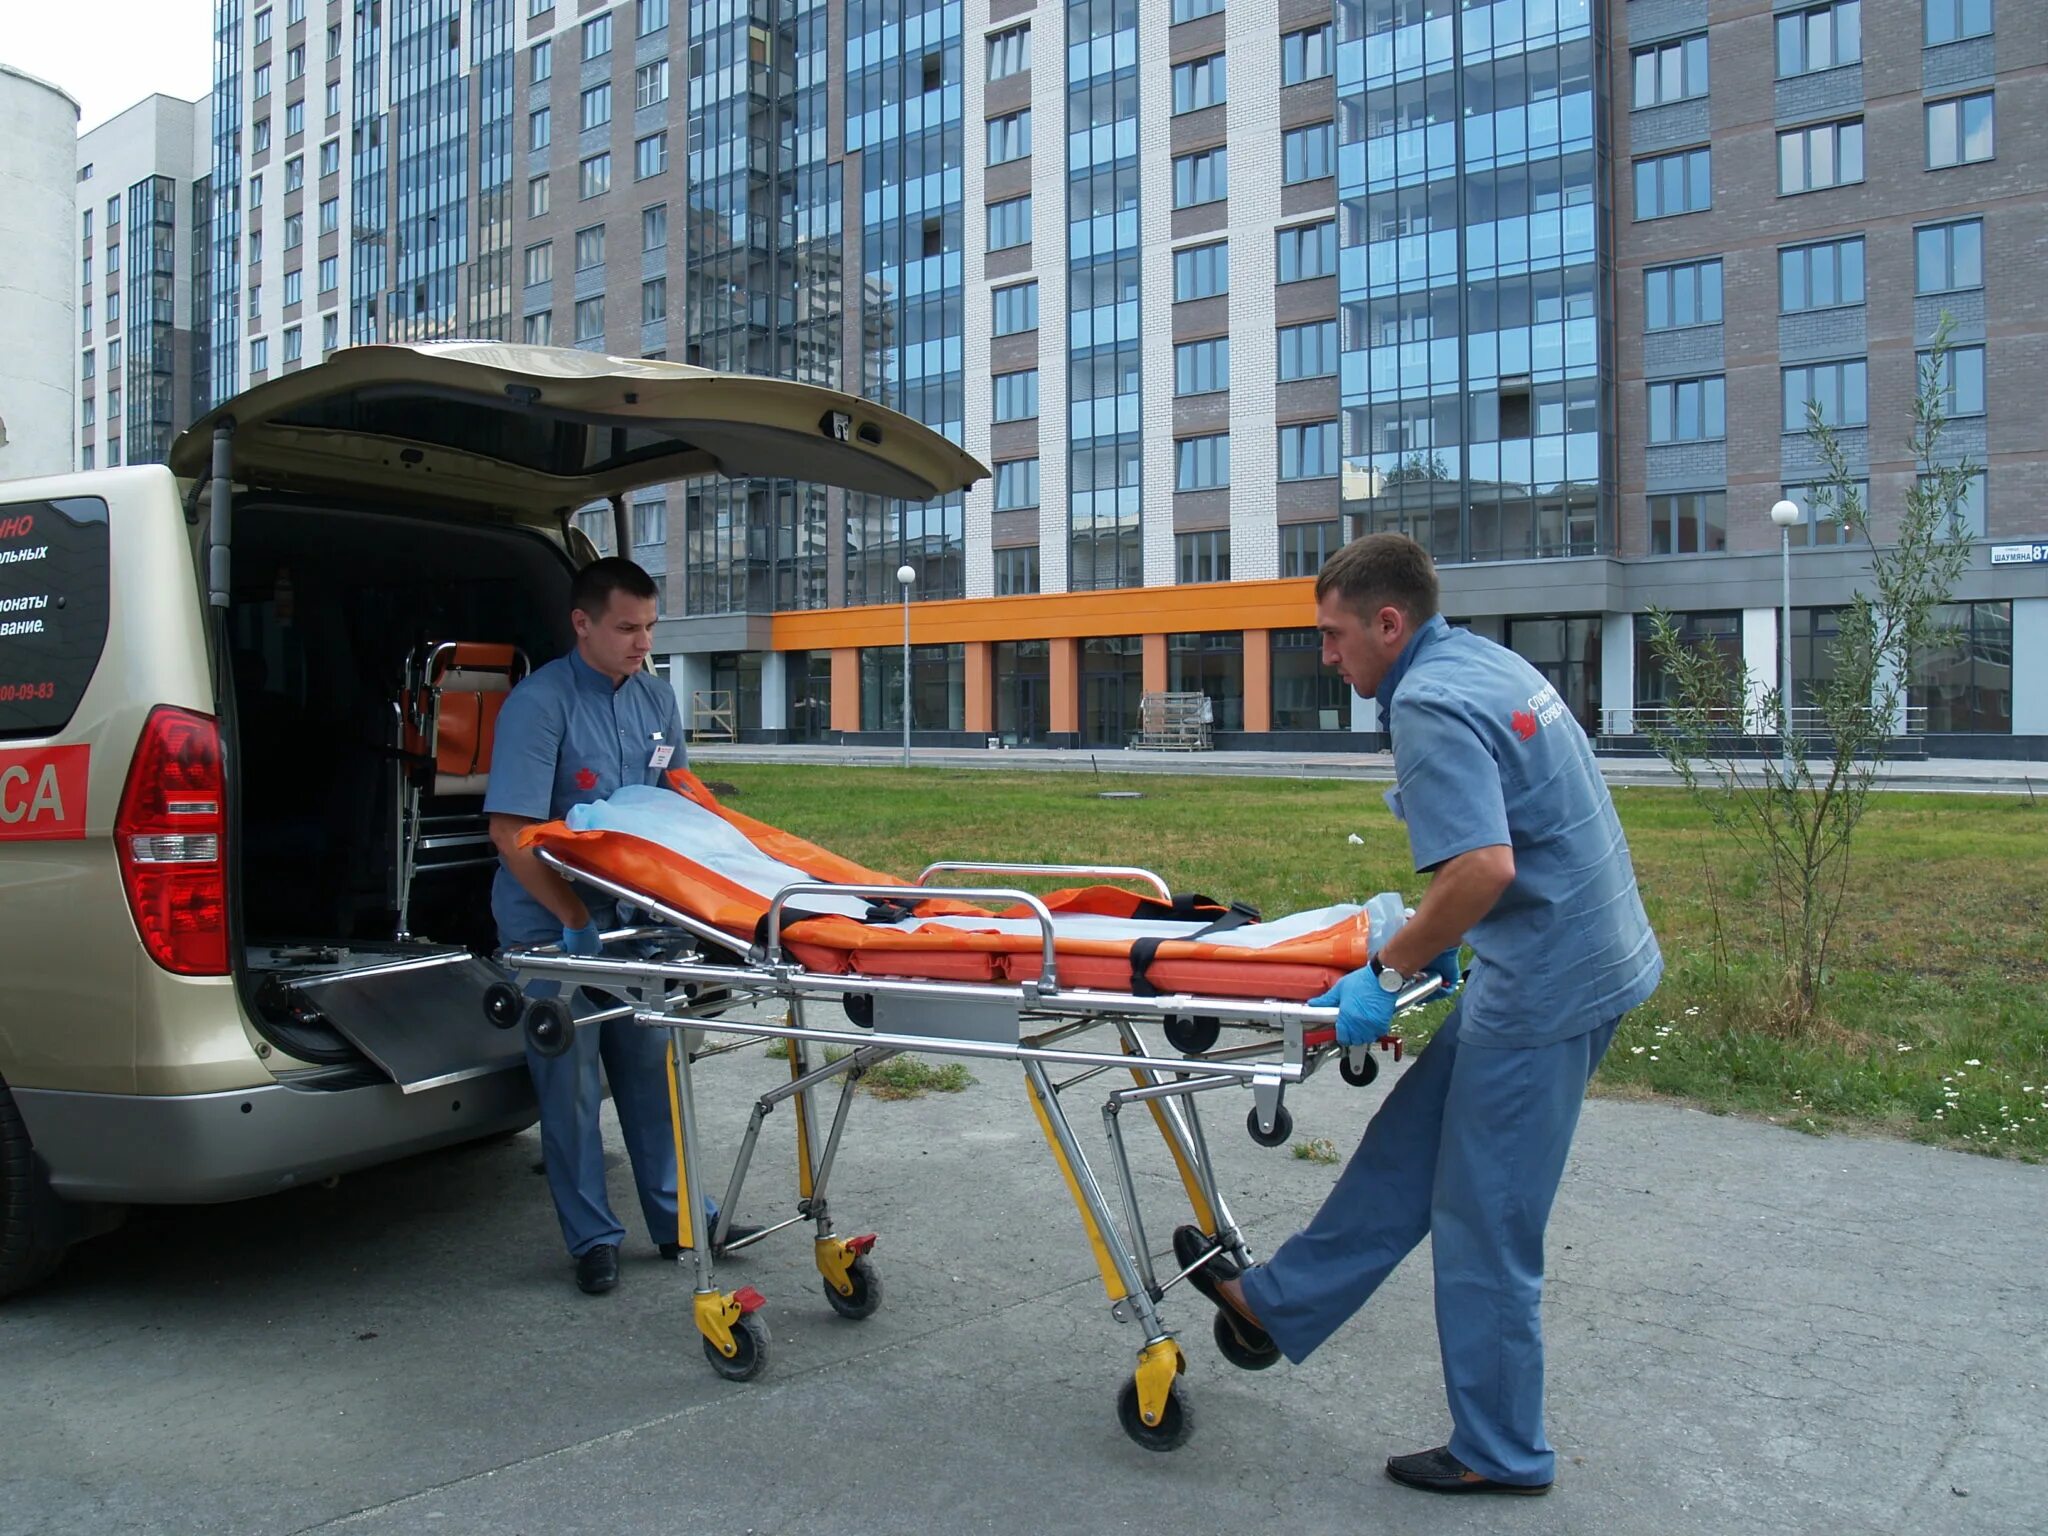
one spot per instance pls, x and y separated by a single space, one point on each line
1258 680
1065 686
1155 663
845 690
980 703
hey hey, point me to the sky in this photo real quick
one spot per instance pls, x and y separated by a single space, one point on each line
109 54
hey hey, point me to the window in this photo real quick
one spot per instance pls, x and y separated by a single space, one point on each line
1305 546
294 349
113 310
1009 52
540 128
334 98
295 63
596 109
1015 308
330 273
1969 507
539 7
590 247
1675 297
1960 378
1309 451
1673 71
85 457
1667 185
590 319
1820 276
1305 55
1307 250
654 301
540 263
85 318
88 411
654 227
1308 154
594 176
1688 410
259 354
264 18
294 12
292 288
1308 351
261 86
85 362
1964 680
1009 223
294 231
295 119
114 364
255 303
1194 10
1691 523
1016 484
86 276
113 452
295 173
334 41
1951 20
650 85
1017 395
1199 83
1201 367
1821 512
1717 633
113 400
1202 556
540 62
1820 37
255 198
1825 155
259 140
1201 463
330 215
113 259
330 334
1948 257
88 226
597 37
1009 137
1017 572
1201 272
330 157
650 522
1200 178
1841 390
537 197
650 155
650 16
1959 131
114 216
539 330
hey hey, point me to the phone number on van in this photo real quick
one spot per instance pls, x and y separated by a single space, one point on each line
25 693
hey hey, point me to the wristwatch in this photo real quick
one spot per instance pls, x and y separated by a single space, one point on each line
1391 980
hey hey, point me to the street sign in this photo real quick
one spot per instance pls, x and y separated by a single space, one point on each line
2019 554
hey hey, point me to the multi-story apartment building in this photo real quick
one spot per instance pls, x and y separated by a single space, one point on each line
1212 287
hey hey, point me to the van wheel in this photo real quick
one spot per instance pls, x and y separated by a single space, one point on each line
34 1231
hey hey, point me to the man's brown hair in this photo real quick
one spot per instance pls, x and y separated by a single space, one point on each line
1382 570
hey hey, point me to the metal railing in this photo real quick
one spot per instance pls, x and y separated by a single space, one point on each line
1804 721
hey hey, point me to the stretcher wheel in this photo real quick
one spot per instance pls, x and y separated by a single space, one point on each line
1173 1428
1283 1126
1192 1036
1237 1353
867 1292
1358 1076
860 1009
503 1004
751 1335
550 1029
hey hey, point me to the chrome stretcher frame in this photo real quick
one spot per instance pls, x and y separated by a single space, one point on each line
1032 1024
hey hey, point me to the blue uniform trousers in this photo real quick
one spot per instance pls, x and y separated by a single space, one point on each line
1468 1150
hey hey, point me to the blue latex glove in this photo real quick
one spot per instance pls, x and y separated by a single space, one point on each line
583 941
1364 1008
1447 966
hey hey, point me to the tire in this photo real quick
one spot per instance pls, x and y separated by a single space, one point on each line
1175 1424
867 1292
35 1228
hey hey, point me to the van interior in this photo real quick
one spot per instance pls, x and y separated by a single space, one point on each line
328 606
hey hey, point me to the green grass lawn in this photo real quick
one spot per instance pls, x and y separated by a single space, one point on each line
1937 1005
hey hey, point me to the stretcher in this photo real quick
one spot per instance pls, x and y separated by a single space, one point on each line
728 911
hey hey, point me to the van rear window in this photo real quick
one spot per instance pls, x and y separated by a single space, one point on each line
53 609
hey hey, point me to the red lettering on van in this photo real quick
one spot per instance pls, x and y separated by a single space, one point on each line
42 794
17 527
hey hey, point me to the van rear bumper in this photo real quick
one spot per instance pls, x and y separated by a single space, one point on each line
199 1148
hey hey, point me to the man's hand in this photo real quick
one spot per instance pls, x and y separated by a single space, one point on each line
1447 966
1364 1008
586 941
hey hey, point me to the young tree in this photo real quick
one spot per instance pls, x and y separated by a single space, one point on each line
1796 816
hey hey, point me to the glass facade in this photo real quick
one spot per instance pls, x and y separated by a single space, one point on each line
369 184
1213 665
1964 681
1307 696
152 288
1567 652
493 66
1475 368
1023 691
224 266
938 677
430 100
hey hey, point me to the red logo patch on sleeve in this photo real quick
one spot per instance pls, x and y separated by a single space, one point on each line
1524 723
587 780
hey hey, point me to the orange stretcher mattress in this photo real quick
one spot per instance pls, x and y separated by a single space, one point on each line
688 852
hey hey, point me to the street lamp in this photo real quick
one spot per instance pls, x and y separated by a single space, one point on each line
1785 514
904 577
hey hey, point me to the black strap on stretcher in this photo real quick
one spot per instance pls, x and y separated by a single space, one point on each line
1144 951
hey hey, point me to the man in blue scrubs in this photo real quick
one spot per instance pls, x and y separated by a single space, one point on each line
1506 810
574 731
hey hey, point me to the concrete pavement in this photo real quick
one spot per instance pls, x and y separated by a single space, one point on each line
1750 1331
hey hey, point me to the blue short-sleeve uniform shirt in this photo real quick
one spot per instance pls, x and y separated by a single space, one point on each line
567 736
1485 753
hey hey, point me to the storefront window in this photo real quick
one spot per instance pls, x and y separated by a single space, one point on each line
1307 696
1720 633
1567 652
1023 691
1212 664
1964 680
1112 686
938 677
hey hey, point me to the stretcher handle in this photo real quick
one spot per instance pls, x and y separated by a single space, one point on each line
1421 992
1048 971
1090 871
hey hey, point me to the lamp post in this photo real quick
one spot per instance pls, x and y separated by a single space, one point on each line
904 577
1785 514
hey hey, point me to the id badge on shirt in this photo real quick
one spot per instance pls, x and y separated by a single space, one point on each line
659 758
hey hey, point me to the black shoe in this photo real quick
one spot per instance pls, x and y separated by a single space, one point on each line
597 1269
738 1230
1189 1244
1438 1471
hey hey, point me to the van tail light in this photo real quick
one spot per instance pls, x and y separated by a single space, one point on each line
171 835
